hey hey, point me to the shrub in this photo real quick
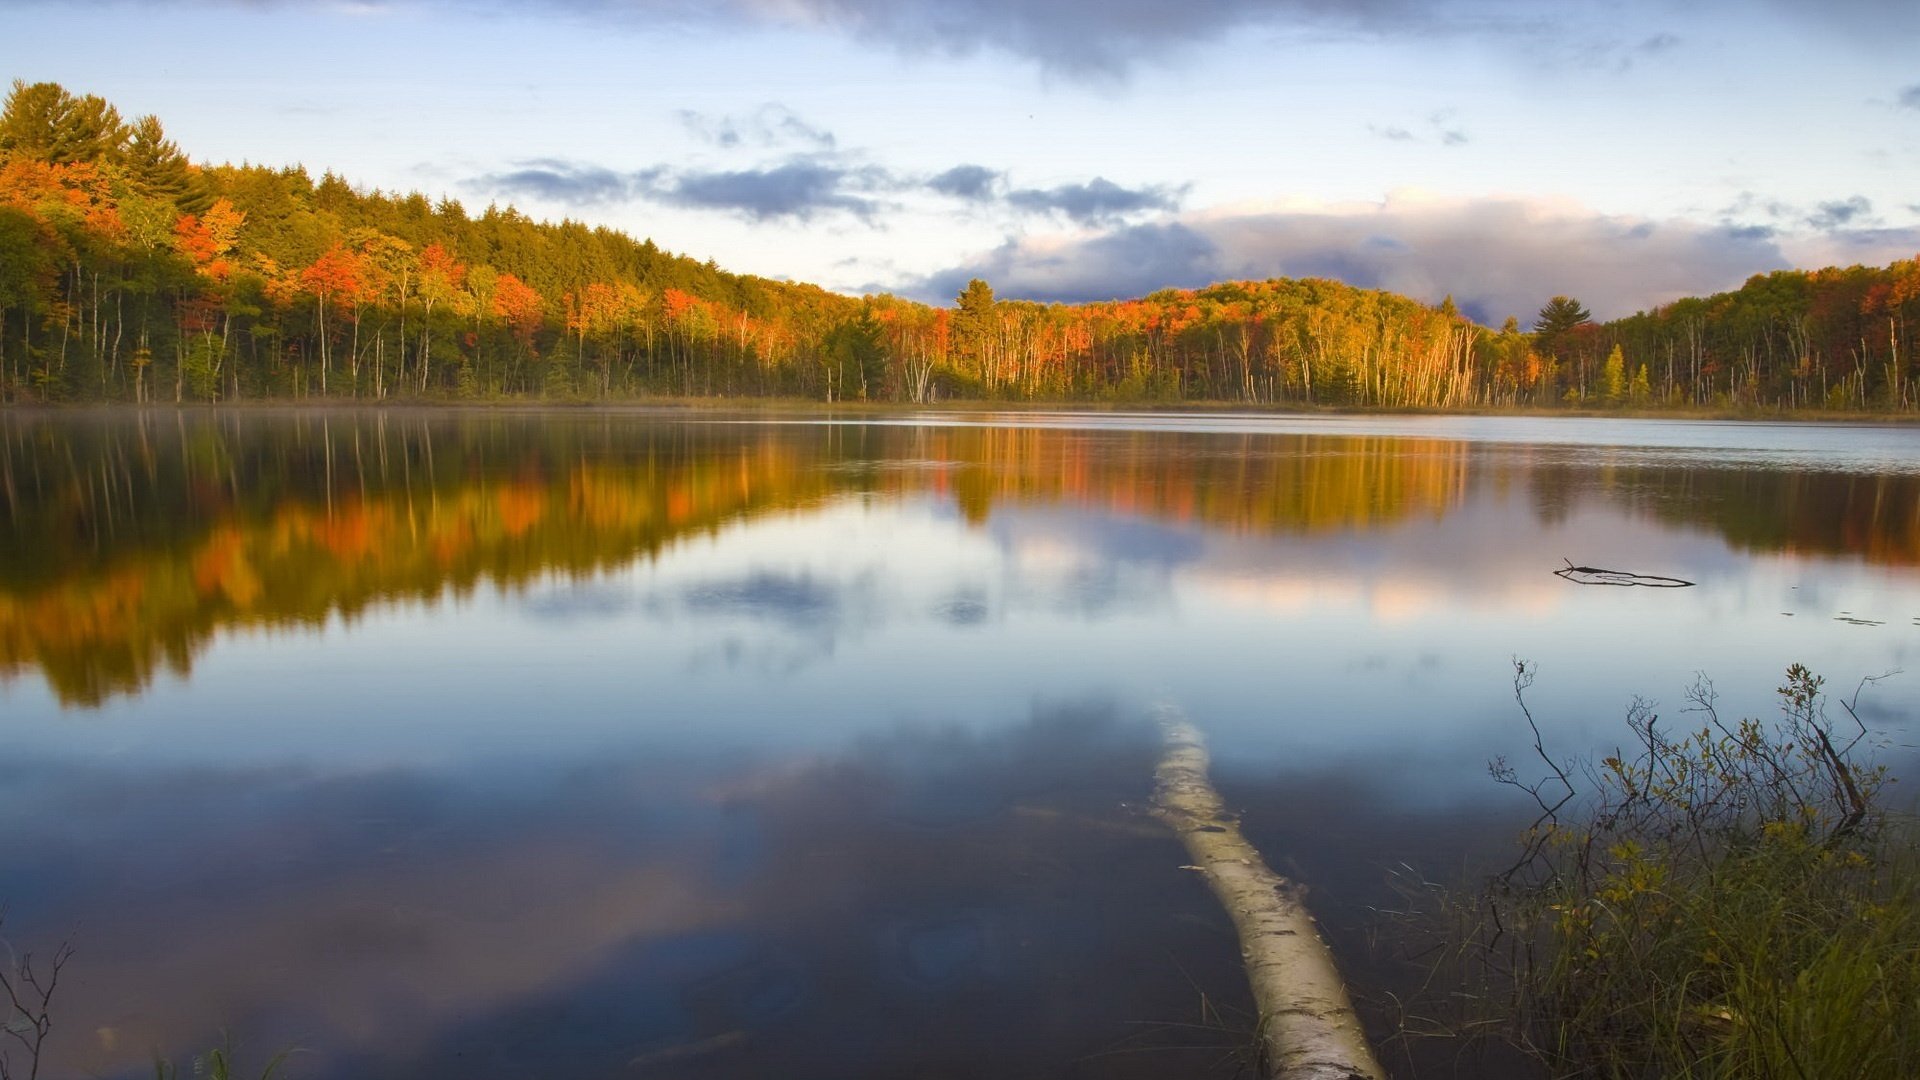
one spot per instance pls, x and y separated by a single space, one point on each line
1721 900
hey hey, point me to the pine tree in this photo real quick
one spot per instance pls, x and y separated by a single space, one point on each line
44 121
1561 314
158 169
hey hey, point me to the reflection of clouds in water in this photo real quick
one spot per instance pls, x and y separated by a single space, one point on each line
797 601
1089 565
767 657
966 607
780 616
1090 536
916 899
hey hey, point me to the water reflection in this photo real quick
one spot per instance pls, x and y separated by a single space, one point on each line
129 543
930 902
577 744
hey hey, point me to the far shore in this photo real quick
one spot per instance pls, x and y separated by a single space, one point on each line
797 406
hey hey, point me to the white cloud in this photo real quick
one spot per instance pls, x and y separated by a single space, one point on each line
1496 256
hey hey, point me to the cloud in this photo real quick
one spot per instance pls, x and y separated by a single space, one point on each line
1440 122
1104 40
1098 201
1840 213
1655 44
1131 260
1450 133
1909 97
805 186
975 183
1098 39
770 125
1495 256
798 189
567 182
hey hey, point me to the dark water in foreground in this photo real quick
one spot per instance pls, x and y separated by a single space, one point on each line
587 744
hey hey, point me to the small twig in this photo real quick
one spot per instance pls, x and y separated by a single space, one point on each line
29 1006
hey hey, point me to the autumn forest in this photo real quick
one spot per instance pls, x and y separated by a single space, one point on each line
130 273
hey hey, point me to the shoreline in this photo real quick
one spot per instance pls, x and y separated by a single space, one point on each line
798 406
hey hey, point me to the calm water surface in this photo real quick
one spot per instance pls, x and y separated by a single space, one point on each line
599 744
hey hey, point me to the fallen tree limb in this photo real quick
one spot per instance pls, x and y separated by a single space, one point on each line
1594 575
1308 1029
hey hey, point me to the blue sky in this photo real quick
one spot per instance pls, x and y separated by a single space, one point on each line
1624 152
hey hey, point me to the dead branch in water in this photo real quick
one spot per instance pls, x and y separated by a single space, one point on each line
1594 575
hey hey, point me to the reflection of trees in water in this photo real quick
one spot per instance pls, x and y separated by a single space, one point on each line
129 540
1874 518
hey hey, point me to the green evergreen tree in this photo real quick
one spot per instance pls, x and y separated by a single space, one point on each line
973 323
157 169
1561 314
44 121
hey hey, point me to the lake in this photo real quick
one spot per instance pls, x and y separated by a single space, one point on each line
598 743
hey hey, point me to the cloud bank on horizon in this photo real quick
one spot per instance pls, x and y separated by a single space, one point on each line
1500 151
1491 255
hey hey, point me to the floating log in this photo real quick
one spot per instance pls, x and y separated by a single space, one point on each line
1308 1029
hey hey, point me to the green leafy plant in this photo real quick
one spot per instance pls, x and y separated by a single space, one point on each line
1716 900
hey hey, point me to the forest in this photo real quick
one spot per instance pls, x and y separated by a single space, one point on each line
131 273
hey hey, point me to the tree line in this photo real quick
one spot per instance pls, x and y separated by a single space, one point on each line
128 272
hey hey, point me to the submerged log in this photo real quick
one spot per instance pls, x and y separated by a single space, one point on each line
1308 1029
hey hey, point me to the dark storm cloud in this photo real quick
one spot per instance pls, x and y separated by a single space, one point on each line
1497 257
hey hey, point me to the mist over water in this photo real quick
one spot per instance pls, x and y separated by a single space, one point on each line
597 743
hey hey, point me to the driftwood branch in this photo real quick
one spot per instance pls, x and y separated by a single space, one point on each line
1308 1029
1594 575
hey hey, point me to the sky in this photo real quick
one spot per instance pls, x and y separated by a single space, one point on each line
1625 152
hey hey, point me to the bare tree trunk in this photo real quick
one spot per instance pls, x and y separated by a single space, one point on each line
1308 1029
